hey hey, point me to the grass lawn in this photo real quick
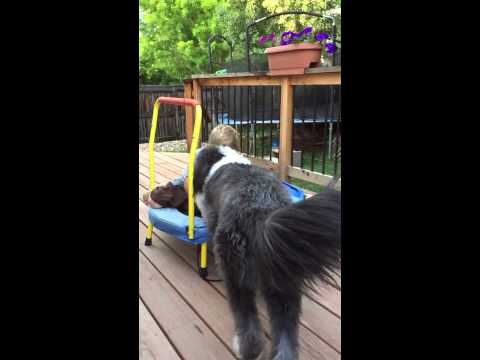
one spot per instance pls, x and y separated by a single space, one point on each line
318 161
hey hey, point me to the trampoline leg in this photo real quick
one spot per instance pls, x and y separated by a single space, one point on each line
148 240
203 261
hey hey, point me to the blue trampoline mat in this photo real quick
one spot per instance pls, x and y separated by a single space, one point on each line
175 223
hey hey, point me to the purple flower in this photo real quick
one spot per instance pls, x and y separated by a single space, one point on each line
297 35
321 36
287 38
307 30
264 38
331 48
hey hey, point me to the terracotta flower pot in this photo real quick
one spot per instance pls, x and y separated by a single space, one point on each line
292 59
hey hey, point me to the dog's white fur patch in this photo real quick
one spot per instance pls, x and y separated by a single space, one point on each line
230 156
236 346
200 202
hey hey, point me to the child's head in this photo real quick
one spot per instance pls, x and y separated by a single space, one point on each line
225 135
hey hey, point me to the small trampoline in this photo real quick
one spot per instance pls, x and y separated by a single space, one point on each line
174 222
188 228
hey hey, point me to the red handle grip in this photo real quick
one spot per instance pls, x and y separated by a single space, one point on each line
177 101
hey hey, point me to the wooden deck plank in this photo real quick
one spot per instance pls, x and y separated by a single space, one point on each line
188 333
325 346
159 178
319 338
143 181
207 303
153 345
159 161
165 159
311 346
161 171
164 168
328 297
181 157
316 318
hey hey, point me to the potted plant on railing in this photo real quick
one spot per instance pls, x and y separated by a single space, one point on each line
296 51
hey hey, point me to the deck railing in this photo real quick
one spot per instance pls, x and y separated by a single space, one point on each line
289 124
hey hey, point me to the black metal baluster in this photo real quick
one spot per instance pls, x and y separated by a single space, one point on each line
327 108
212 110
303 124
241 117
223 104
204 113
248 119
228 105
271 123
338 134
263 121
328 122
254 119
235 108
314 126
218 101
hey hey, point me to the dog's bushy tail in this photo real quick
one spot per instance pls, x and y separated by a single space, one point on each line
301 242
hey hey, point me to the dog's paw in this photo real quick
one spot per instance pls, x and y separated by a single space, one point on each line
236 346
236 349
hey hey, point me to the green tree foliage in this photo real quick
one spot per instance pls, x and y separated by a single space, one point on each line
174 33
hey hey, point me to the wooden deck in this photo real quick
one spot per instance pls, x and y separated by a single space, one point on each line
183 317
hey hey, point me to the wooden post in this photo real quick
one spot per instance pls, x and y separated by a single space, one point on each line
286 127
187 93
197 95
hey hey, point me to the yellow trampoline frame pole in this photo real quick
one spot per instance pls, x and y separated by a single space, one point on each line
191 201
203 256
151 154
191 169
151 144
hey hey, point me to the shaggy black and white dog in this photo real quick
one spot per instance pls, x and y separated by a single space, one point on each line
264 242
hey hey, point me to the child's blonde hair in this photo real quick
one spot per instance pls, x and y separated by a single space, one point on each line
225 135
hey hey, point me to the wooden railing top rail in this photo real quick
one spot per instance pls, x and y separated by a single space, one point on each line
317 70
315 76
